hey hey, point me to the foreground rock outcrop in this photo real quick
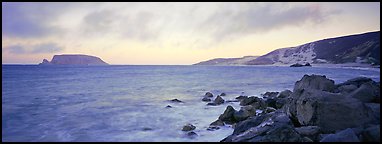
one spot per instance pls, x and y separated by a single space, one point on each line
75 59
316 110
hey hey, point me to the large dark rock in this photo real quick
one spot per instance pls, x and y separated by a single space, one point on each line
345 89
241 115
315 82
275 127
241 97
284 94
312 132
347 135
188 127
271 102
372 134
248 100
376 109
228 115
367 92
358 81
331 111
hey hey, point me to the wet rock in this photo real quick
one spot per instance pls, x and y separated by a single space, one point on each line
192 134
274 128
316 82
372 134
241 115
188 127
211 104
248 100
219 100
176 100
206 99
280 102
367 92
271 102
241 97
232 101
222 94
213 128
269 110
168 106
346 135
147 129
227 116
208 94
270 94
217 123
284 94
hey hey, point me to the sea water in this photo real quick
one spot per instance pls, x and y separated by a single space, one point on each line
128 102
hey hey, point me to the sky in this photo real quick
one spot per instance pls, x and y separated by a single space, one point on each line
173 33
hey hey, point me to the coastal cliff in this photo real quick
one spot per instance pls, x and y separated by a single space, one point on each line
75 59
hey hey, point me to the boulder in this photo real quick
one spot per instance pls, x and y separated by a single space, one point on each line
168 106
222 94
271 102
241 115
241 97
211 104
316 82
270 94
280 102
219 100
217 123
284 94
269 110
248 100
346 135
208 94
358 81
372 134
312 132
331 111
345 89
206 99
228 115
212 128
376 109
274 128
367 92
188 127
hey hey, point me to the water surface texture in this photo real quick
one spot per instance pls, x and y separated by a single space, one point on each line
127 103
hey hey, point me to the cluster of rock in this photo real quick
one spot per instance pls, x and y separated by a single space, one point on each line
217 101
317 110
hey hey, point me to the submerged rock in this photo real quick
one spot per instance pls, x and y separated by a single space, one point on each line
176 100
208 94
188 127
222 94
192 134
206 99
168 106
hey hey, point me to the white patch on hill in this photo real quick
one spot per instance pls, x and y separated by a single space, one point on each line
301 54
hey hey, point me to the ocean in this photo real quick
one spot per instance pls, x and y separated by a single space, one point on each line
128 102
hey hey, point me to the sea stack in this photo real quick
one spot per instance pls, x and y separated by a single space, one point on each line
74 59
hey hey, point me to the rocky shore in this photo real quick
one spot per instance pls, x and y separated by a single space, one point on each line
317 110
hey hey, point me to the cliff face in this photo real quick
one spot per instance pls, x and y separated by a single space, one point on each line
66 59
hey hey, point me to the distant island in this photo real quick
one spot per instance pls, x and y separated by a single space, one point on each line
358 49
74 59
